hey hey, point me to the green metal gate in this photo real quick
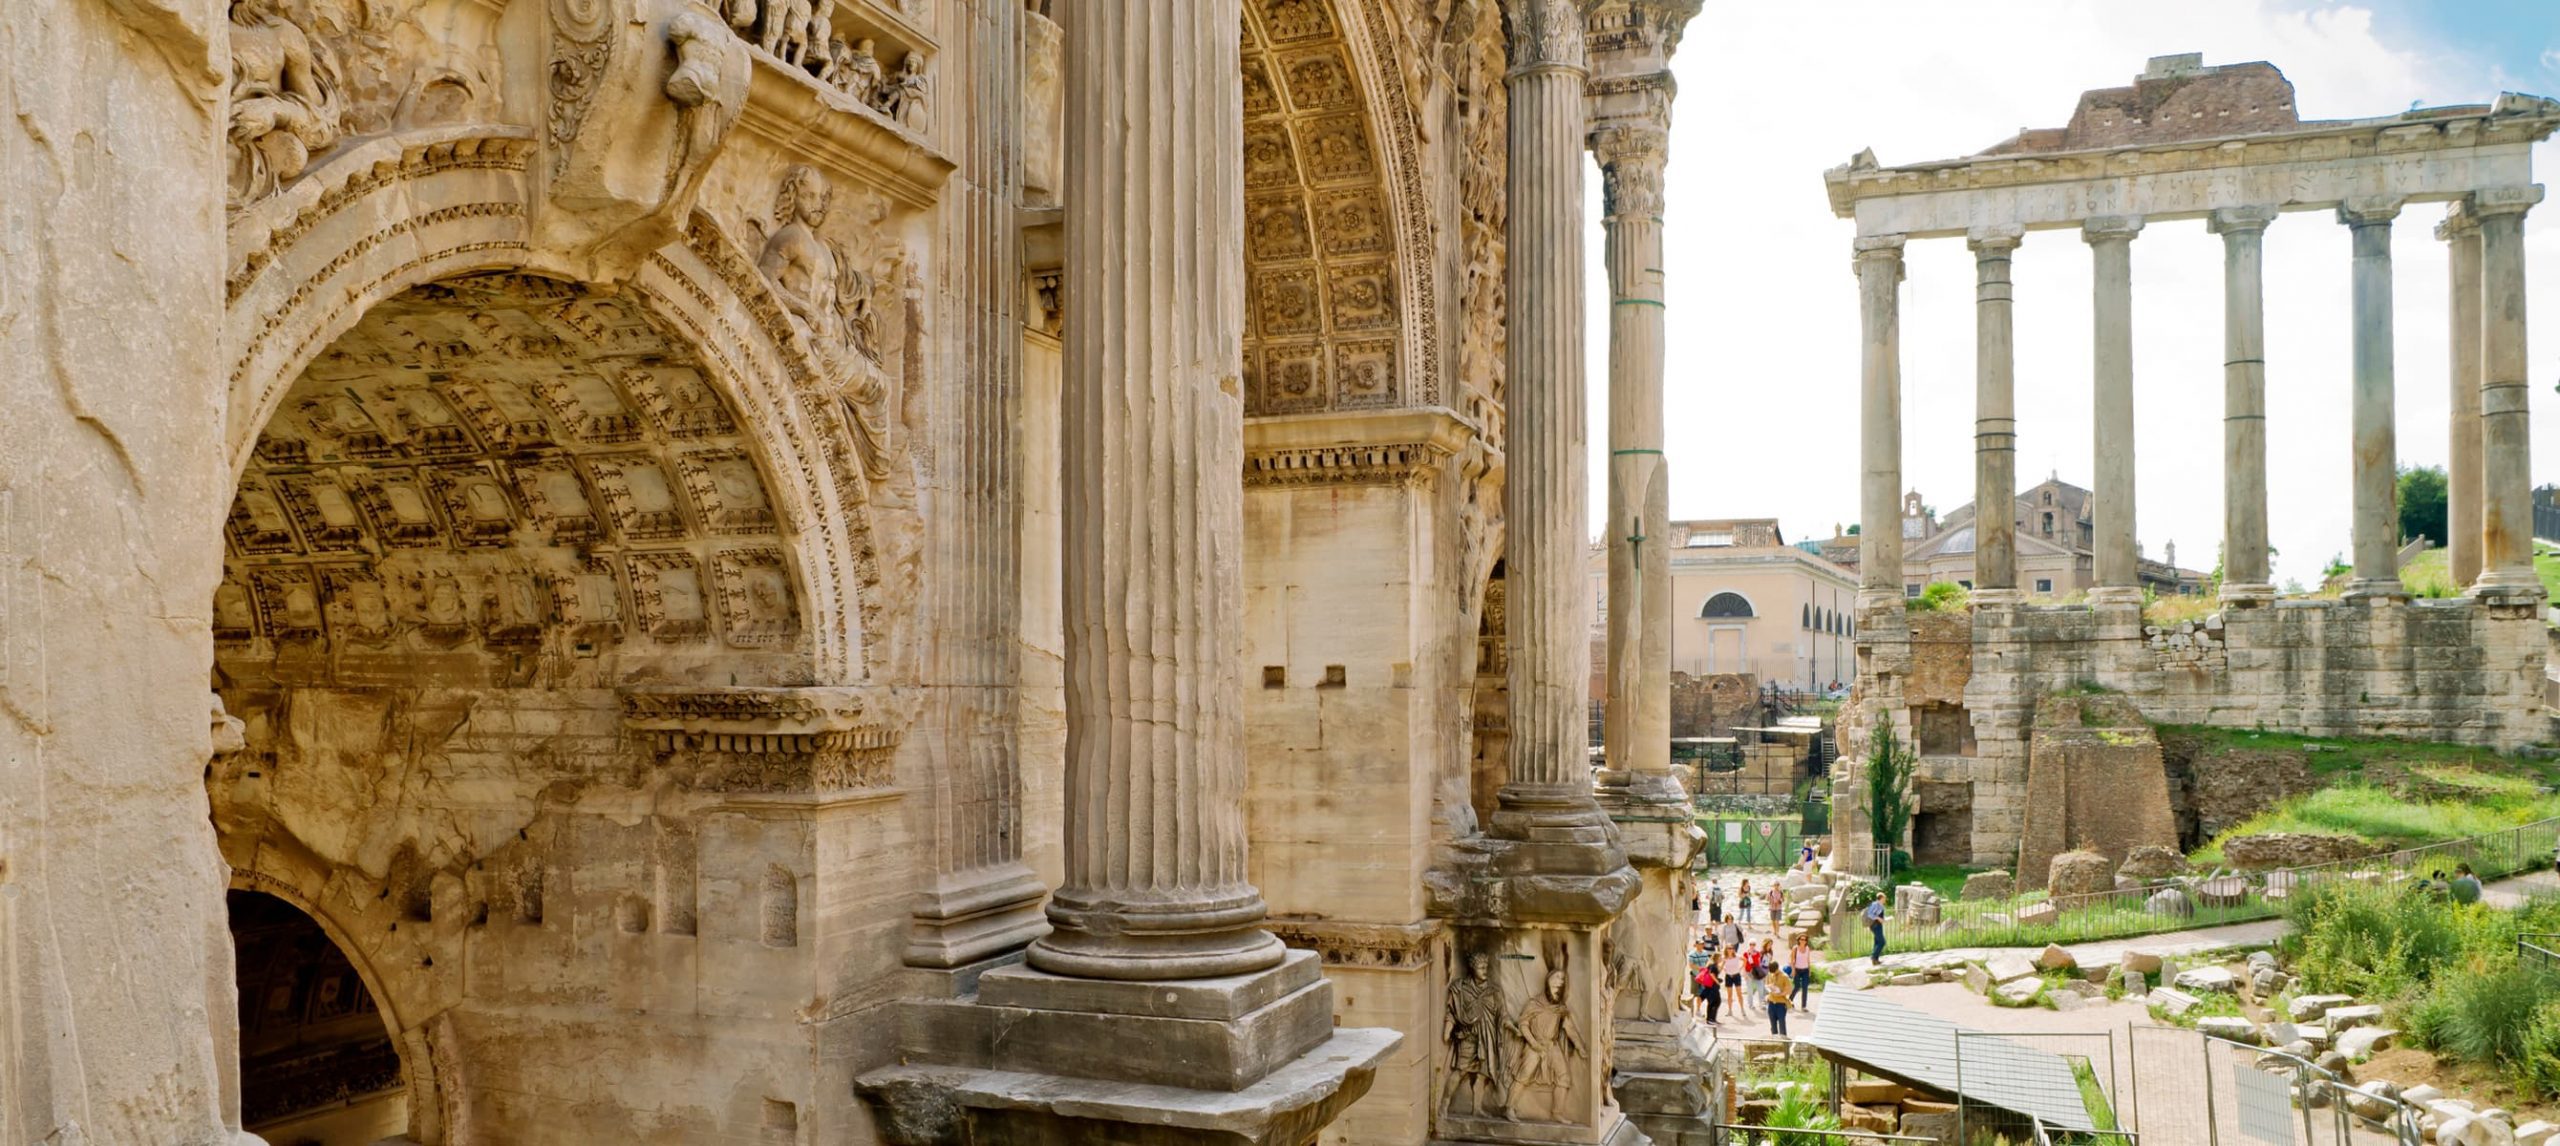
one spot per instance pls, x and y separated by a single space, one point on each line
1750 841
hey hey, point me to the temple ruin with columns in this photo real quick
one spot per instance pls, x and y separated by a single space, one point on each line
2222 146
829 571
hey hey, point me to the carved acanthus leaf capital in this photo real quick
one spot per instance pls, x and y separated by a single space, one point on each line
1545 33
1631 154
1994 239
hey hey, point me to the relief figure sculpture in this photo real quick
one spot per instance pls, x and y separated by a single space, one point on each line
1474 1034
1549 1042
285 100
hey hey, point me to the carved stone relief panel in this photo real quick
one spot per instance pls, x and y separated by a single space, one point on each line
309 76
515 476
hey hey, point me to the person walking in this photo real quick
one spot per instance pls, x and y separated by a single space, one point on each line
1755 986
1874 915
1744 903
1715 903
1732 971
1730 935
1711 990
1804 858
1777 991
1701 970
1800 968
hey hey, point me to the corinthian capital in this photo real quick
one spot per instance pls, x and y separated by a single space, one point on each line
1631 155
1545 33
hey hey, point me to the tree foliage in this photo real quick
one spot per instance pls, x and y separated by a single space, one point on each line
2422 497
1889 798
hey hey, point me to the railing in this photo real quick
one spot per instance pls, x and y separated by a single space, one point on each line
2539 949
1735 1134
2034 918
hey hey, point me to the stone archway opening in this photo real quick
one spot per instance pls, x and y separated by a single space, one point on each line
473 525
318 1063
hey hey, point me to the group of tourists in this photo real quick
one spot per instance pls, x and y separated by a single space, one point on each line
1729 972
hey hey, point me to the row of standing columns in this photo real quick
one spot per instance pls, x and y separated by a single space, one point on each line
2490 507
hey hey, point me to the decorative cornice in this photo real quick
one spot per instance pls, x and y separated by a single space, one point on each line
1383 946
764 740
1405 447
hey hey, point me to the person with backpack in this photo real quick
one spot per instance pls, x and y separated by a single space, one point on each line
1707 992
1754 988
1702 972
1745 902
1874 915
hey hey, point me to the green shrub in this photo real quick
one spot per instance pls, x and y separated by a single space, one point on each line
2539 1075
1941 597
2375 942
2491 1013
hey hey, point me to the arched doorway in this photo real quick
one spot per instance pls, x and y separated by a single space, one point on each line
318 1063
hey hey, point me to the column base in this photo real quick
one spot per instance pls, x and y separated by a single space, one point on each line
2507 587
1556 830
2247 595
1998 598
2115 595
1101 937
939 1105
2375 590
1879 598
971 916
1463 1130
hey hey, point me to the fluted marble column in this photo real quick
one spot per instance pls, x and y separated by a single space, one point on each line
2506 476
2116 561
1638 734
981 899
1995 419
1879 267
2461 235
2244 403
2374 477
1153 508
1543 499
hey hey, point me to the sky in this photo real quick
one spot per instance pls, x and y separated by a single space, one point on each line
1761 390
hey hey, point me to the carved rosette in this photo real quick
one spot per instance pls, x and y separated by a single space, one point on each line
769 741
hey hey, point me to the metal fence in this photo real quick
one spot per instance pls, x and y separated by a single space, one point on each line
1731 1134
2094 1085
2190 1087
2539 949
2034 918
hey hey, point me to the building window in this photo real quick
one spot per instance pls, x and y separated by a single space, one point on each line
1911 590
1967 584
2044 584
1807 622
2048 524
1726 605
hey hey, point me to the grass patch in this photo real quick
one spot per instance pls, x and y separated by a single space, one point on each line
2093 1097
2175 609
2333 757
2378 815
2209 1005
2429 575
1947 879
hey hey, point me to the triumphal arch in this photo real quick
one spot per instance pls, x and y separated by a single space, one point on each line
830 571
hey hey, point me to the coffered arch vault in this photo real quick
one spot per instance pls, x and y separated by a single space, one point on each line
1341 297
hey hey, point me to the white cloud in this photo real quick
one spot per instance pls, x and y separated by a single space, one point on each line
1762 387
